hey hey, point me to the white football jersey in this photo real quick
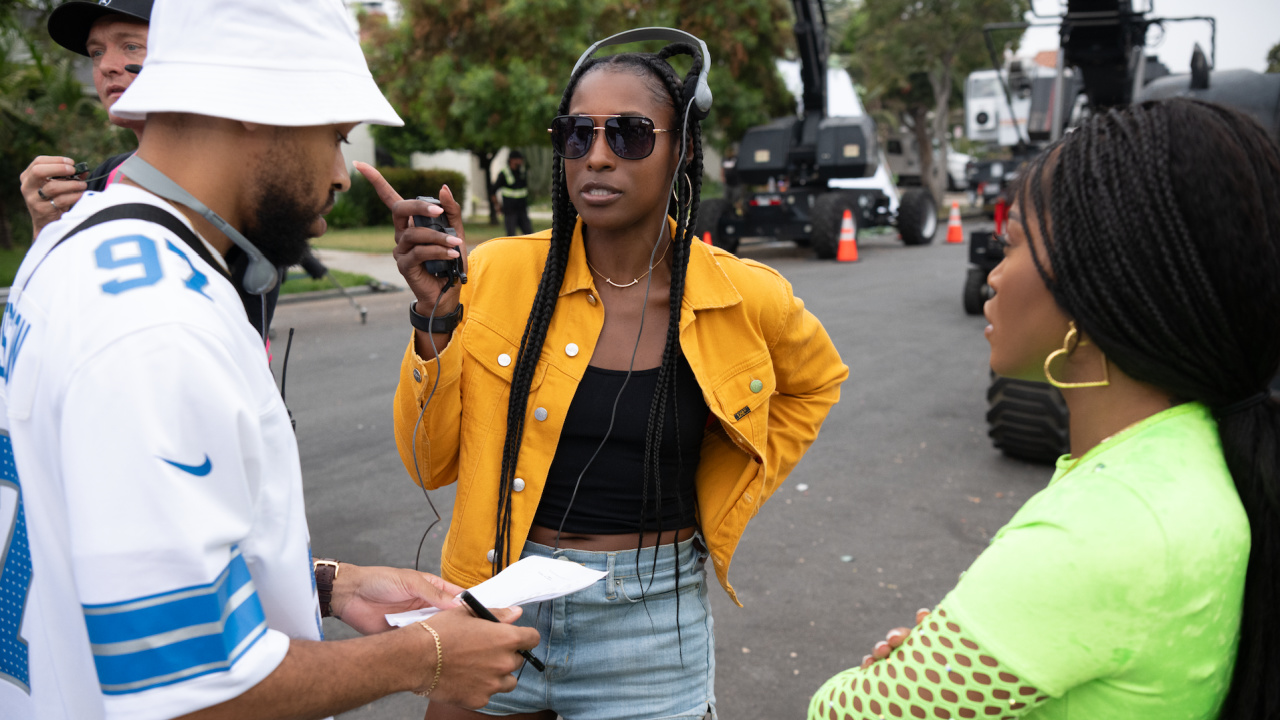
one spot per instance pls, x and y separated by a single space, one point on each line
156 556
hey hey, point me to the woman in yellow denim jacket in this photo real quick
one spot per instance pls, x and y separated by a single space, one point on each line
766 375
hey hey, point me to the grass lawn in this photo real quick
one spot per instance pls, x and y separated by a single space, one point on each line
381 239
9 262
299 282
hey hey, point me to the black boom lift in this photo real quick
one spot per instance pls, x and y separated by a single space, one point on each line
786 174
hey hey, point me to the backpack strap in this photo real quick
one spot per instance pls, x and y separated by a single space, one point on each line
148 213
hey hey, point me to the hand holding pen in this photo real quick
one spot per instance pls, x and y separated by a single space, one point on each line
483 612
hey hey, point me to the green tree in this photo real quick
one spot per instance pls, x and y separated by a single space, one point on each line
487 74
1273 59
908 54
44 109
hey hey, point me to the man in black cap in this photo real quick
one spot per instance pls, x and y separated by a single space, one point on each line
513 187
114 35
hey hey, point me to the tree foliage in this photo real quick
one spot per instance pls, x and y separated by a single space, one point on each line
1273 59
912 56
44 109
485 74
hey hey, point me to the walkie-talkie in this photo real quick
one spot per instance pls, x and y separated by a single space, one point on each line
440 268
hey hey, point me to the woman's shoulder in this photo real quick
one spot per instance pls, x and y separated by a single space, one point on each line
746 269
758 284
519 247
510 256
1172 470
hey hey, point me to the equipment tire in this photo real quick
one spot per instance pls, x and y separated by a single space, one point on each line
975 291
917 217
826 216
1027 420
710 213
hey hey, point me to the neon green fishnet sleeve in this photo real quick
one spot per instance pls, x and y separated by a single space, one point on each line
937 673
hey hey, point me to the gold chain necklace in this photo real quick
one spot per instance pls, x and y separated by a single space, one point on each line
633 282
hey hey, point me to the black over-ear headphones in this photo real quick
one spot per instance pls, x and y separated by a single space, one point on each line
701 96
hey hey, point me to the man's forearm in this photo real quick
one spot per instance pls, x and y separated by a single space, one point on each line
319 679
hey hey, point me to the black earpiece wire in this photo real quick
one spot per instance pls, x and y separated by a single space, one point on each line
417 469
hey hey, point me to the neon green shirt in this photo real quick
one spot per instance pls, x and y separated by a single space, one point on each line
1117 589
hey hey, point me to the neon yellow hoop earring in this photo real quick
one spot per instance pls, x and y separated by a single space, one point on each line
1069 345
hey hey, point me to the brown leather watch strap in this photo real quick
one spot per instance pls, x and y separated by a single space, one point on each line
326 572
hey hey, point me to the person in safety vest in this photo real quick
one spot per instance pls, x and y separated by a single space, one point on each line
513 187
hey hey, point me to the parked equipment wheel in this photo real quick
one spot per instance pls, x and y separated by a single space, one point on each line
975 291
716 216
1027 420
827 214
917 217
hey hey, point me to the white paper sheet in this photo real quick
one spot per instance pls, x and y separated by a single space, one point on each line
530 580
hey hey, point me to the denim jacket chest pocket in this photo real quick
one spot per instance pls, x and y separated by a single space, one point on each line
487 372
742 397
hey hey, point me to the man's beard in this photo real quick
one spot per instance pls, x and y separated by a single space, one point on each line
282 221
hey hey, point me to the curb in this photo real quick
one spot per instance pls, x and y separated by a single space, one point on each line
371 288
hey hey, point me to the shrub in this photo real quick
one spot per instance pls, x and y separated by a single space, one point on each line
346 213
369 209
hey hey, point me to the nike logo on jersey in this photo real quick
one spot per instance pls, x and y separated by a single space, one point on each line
197 470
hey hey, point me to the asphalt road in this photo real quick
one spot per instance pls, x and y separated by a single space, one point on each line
899 494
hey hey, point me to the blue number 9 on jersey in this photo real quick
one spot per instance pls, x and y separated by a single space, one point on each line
109 258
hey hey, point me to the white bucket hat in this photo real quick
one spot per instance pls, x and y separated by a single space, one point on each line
279 62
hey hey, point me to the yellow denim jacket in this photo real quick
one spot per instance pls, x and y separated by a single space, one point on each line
768 371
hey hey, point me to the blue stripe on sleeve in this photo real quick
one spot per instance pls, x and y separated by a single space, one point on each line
156 614
161 639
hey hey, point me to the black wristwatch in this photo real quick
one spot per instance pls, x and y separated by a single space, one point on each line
442 325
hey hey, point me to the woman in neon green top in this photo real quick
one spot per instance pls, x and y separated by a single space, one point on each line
1142 276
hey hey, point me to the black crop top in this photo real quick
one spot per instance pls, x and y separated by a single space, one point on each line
609 499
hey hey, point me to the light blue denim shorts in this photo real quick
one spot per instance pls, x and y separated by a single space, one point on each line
612 651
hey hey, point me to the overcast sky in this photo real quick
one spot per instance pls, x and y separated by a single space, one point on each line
1246 31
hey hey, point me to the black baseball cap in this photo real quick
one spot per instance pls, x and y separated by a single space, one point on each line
70 22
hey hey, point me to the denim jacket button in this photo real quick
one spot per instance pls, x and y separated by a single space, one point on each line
571 349
504 359
756 386
540 414
517 484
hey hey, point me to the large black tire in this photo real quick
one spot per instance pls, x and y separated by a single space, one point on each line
1027 420
975 291
710 213
917 217
826 217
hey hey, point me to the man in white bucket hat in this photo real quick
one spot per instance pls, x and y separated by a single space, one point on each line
155 559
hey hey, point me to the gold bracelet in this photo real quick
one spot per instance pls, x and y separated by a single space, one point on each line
439 659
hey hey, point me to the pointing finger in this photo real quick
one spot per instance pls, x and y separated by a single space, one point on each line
386 193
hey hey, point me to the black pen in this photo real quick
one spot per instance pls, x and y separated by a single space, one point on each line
483 612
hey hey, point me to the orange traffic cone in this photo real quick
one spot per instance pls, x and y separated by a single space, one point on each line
955 233
706 238
847 250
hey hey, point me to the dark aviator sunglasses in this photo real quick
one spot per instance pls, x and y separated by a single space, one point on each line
630 137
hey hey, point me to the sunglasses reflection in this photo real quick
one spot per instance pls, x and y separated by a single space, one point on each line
630 137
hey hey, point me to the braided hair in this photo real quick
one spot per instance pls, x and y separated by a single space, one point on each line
669 87
1164 247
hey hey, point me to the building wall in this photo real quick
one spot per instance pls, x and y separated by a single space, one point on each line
462 162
